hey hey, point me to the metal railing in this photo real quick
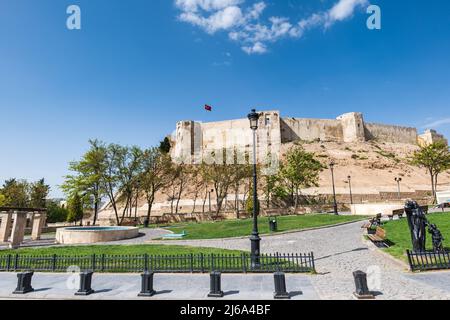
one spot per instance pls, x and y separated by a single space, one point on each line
429 260
187 263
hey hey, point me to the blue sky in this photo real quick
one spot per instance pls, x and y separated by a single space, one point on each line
137 67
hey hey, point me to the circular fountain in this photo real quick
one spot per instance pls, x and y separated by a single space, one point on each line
82 235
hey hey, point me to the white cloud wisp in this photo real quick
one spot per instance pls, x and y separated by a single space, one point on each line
244 25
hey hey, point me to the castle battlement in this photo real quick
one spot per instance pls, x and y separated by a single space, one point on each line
193 140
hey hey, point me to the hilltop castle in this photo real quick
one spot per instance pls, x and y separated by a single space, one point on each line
193 140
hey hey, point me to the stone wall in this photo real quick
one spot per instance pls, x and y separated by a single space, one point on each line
294 129
195 139
389 133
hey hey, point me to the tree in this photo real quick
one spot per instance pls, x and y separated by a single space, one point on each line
122 168
249 202
75 207
179 176
55 213
435 158
16 193
2 200
196 182
38 194
270 183
88 175
164 146
129 167
154 175
220 176
241 172
299 170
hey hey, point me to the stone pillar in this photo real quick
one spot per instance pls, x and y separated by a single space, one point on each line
5 227
38 225
18 231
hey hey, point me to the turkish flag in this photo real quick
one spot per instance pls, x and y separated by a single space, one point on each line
208 108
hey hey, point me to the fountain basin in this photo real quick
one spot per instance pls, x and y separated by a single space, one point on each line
83 235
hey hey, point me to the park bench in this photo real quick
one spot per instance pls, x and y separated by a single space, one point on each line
379 237
175 235
376 221
399 213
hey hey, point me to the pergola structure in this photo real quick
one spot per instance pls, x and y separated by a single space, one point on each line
14 221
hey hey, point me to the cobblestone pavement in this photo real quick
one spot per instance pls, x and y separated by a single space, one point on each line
339 251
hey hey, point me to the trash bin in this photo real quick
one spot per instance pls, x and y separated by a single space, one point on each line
146 222
273 225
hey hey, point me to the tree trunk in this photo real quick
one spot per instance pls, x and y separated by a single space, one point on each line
296 200
179 197
150 200
113 203
204 201
433 192
236 200
195 201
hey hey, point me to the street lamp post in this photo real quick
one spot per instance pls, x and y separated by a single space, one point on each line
335 206
209 200
350 186
255 240
398 180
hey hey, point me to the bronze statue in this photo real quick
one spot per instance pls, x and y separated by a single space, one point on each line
437 238
417 222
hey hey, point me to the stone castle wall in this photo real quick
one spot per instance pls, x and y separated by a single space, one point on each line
194 140
390 133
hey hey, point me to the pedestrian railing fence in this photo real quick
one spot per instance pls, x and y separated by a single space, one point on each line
428 260
188 263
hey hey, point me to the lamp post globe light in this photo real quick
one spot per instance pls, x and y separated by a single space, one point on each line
350 187
255 240
398 180
335 206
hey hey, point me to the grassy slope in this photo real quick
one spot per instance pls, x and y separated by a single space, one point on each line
237 228
398 233
117 250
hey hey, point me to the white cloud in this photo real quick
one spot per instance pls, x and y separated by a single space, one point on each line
207 5
257 47
245 26
437 123
343 10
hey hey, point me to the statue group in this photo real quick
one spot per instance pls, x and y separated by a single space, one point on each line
418 224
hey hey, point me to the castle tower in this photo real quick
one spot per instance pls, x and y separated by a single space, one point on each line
352 127
188 137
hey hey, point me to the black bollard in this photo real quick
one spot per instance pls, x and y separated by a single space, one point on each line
85 284
24 283
147 285
280 286
215 286
362 290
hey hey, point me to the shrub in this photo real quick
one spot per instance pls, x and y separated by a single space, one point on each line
55 213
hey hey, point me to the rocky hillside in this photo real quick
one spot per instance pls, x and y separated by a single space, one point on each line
373 167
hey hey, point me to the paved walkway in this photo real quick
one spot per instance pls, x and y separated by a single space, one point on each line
167 286
339 251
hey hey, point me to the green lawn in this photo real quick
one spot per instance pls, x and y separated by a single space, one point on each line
237 228
398 233
117 250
